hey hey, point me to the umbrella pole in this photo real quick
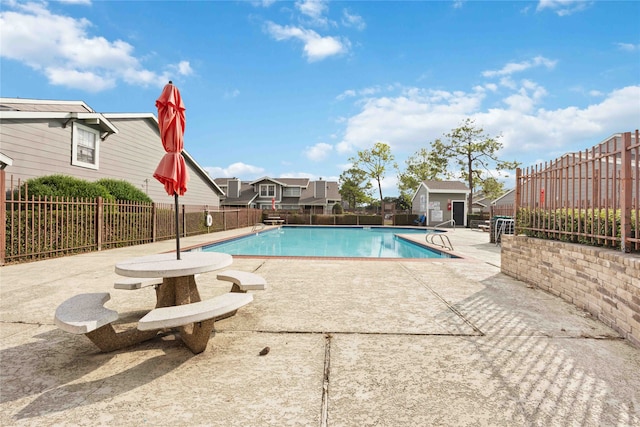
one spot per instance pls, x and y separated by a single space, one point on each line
177 228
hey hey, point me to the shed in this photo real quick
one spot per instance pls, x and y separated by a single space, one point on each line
441 202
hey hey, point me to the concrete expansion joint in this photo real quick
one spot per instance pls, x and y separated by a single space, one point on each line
445 302
324 413
332 333
20 322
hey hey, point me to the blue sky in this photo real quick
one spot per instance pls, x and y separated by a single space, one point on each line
296 88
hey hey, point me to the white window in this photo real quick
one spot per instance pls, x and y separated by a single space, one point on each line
292 192
86 146
267 190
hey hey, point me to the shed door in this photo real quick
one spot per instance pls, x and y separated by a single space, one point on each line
458 213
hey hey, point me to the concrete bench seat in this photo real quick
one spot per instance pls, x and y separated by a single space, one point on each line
133 283
484 227
201 314
243 281
86 314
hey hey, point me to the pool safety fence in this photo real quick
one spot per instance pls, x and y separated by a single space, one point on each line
590 197
44 227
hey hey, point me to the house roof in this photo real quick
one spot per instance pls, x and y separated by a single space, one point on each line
5 161
266 178
435 186
45 105
295 182
507 193
188 158
65 112
445 186
285 182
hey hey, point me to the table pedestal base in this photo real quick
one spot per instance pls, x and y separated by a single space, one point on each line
107 339
177 291
196 335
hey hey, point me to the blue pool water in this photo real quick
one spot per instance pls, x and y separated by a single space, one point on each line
361 242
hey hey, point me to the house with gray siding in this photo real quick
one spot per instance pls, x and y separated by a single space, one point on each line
298 194
441 201
46 137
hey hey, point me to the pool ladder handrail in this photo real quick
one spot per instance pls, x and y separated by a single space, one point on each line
444 240
257 227
451 221
503 226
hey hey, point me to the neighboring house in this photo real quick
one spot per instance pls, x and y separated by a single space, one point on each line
281 193
585 178
505 204
44 137
441 201
481 204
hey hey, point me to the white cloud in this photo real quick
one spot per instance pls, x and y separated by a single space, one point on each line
316 47
87 80
263 3
82 2
563 7
314 10
516 67
231 94
349 93
62 49
414 119
319 152
353 21
528 96
238 170
184 68
629 47
366 92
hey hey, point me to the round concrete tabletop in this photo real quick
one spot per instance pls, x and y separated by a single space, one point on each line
166 265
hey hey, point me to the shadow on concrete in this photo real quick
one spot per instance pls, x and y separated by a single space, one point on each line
66 370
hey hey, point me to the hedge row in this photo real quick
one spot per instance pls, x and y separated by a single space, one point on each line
574 225
69 186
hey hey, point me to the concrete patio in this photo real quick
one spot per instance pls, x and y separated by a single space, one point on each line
352 343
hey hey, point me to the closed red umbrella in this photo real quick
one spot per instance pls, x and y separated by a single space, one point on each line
172 170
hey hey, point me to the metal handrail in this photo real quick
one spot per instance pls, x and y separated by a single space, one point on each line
257 227
447 245
451 221
503 226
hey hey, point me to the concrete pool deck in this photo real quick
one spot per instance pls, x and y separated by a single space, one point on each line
352 343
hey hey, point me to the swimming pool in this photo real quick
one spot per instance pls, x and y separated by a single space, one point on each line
335 242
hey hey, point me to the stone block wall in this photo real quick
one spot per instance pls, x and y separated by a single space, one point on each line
604 282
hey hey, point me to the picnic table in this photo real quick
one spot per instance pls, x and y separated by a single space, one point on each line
178 275
178 303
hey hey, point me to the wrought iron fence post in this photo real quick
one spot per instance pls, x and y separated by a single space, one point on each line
625 194
99 222
3 215
154 222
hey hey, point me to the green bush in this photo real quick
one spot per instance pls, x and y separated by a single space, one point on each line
585 226
337 209
123 190
64 186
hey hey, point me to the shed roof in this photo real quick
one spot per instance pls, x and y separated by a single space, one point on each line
448 186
